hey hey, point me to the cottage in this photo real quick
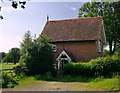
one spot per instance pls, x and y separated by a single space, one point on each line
76 40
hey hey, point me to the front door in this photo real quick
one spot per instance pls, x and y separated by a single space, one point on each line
62 63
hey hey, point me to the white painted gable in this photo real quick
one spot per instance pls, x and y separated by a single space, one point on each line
59 59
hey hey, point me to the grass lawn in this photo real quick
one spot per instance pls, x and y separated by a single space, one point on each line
85 84
7 66
106 84
28 82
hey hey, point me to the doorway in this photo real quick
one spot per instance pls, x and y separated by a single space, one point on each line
62 59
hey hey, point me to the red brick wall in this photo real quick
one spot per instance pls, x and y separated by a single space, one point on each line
82 51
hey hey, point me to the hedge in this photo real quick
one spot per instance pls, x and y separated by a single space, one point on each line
81 69
104 66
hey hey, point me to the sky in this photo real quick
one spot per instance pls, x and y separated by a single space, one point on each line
17 22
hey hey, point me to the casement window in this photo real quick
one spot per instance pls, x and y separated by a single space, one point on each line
99 45
54 48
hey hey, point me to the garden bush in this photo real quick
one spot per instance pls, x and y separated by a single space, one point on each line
37 55
8 81
82 69
20 71
104 66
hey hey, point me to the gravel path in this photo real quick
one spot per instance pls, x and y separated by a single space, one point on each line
54 86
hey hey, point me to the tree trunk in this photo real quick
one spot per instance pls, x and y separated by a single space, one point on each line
110 48
112 51
14 62
114 48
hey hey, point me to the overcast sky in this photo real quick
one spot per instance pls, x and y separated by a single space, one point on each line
33 18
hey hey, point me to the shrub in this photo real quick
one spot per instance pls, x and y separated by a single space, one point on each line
37 55
105 66
20 70
106 53
8 81
82 69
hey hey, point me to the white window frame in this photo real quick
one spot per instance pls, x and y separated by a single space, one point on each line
54 47
99 46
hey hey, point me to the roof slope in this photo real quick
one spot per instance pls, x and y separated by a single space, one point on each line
78 29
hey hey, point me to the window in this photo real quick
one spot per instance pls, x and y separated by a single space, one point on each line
99 46
54 48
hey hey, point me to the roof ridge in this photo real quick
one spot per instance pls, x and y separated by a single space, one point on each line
75 19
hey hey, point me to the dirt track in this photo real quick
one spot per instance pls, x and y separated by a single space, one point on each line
55 86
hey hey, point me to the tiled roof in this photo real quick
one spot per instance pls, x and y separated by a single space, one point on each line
74 29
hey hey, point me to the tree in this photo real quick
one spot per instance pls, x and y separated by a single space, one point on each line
36 54
26 47
110 19
2 55
15 55
12 56
117 10
7 58
45 58
117 52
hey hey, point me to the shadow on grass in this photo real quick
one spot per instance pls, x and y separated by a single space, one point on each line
66 78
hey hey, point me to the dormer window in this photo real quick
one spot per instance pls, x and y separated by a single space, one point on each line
54 48
99 46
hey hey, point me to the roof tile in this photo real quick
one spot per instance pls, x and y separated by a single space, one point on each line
74 29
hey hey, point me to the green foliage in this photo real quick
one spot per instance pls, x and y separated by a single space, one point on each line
37 55
63 78
106 67
77 69
12 56
25 48
27 83
106 53
8 66
3 54
47 77
69 78
7 59
118 50
8 81
20 71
